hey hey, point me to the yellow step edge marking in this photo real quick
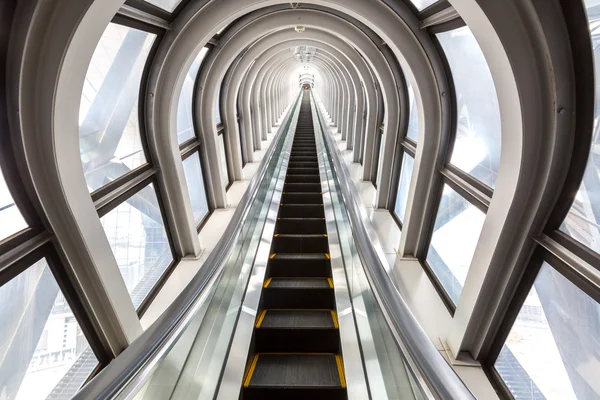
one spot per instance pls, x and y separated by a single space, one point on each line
330 281
340 365
276 235
266 285
261 317
336 324
325 235
328 256
251 371
272 256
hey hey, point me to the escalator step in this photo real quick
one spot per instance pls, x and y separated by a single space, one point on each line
294 292
303 178
302 198
298 319
295 371
304 159
300 225
303 164
302 187
300 243
300 265
299 283
303 171
301 211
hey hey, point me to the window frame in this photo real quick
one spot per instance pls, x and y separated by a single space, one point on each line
541 255
186 153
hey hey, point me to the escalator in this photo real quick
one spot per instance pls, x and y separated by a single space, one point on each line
296 347
297 280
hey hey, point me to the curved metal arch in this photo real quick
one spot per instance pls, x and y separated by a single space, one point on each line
316 20
352 58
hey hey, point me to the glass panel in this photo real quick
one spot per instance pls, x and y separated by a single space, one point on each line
379 157
137 236
408 164
43 352
109 132
223 160
421 4
218 107
167 5
478 132
185 119
195 182
413 122
456 232
552 351
583 221
11 219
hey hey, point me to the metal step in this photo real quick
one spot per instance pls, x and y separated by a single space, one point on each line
301 211
301 198
300 225
303 187
300 265
295 371
303 178
300 243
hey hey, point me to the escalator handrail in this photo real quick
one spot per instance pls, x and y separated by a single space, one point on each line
441 379
136 359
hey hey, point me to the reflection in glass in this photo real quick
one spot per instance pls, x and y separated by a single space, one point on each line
11 219
168 5
552 351
413 122
583 221
136 233
43 352
185 121
478 132
408 164
421 4
109 131
222 160
195 184
456 232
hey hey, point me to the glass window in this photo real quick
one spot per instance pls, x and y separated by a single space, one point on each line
413 121
478 131
421 4
408 164
195 183
218 107
137 236
109 133
167 5
185 119
223 160
43 352
552 351
583 221
456 232
11 219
